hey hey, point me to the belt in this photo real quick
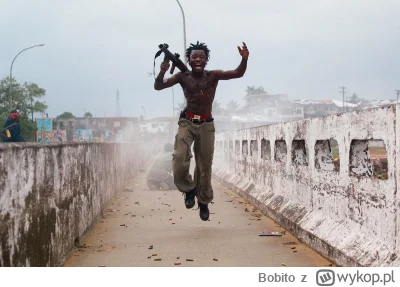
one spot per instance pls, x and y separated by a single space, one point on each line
198 119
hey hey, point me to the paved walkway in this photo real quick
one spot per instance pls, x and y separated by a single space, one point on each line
153 228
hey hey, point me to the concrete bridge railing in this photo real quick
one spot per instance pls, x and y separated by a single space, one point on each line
52 194
331 181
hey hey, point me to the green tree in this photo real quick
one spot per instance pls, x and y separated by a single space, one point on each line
252 90
232 106
28 96
88 115
66 115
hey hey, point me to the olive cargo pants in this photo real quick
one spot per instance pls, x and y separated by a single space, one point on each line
203 136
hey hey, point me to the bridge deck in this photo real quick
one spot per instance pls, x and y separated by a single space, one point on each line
137 219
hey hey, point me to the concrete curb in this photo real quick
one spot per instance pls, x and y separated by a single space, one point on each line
335 240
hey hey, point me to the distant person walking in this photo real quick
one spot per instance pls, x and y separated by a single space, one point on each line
11 130
160 173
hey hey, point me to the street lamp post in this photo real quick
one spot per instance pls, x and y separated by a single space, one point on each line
184 31
40 45
173 102
104 117
145 116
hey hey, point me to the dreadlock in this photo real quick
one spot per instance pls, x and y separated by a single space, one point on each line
198 46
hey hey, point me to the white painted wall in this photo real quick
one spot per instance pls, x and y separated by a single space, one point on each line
358 215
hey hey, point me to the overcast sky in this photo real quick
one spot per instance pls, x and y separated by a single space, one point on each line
304 48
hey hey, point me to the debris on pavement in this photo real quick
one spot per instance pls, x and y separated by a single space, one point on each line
187 259
270 234
283 264
151 247
177 263
290 243
122 225
157 259
215 259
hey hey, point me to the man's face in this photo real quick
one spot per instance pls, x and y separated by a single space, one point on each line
198 60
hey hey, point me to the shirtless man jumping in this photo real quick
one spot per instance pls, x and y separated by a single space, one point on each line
196 124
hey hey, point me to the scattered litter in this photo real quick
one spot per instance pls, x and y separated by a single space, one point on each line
294 247
215 259
157 259
290 243
189 259
155 254
178 257
270 234
177 263
151 247
122 225
110 210
283 264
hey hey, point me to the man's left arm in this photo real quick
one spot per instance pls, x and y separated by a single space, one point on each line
239 71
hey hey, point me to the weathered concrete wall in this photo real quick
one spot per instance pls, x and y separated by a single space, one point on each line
51 194
346 214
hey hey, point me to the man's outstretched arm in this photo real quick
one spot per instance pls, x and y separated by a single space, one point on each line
239 71
159 83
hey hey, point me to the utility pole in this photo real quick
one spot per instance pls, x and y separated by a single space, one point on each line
343 91
398 94
118 112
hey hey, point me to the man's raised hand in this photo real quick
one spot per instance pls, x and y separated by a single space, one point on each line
164 66
243 51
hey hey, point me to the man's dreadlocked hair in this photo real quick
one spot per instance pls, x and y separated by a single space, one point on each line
198 46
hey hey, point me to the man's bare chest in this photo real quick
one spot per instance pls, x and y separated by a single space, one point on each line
195 85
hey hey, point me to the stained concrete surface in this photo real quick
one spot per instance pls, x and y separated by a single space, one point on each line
140 218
